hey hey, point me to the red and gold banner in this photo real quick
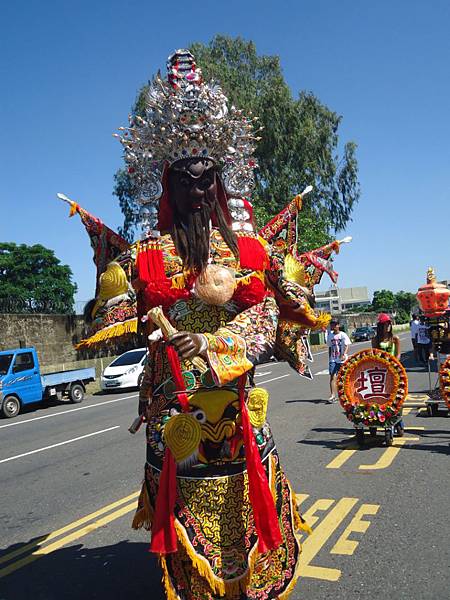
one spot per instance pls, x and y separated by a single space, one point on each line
372 386
444 381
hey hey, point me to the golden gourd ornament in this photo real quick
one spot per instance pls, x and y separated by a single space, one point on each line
215 285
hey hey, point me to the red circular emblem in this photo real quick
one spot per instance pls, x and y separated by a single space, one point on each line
372 386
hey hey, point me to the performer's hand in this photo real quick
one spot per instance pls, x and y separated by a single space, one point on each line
187 344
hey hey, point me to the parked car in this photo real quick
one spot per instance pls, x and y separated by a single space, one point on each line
21 381
126 371
362 334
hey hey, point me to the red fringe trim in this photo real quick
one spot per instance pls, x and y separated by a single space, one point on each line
249 294
163 294
150 265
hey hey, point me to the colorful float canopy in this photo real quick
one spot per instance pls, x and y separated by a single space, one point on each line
433 296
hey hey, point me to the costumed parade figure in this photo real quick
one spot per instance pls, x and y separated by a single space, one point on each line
216 299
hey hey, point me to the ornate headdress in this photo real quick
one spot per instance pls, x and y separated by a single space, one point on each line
185 117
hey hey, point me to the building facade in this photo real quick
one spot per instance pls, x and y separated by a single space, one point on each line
342 300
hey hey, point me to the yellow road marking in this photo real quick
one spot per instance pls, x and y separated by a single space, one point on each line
389 454
418 428
321 534
340 459
421 410
322 504
299 498
416 396
38 542
407 410
346 546
41 550
311 546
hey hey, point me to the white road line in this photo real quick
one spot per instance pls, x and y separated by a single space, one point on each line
324 372
66 412
262 374
274 379
81 437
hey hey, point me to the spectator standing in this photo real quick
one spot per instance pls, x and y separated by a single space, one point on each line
387 341
384 338
423 341
338 344
414 324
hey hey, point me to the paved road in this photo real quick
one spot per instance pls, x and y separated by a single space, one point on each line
69 477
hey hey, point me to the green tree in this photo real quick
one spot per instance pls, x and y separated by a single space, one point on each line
383 301
406 301
299 146
32 279
405 304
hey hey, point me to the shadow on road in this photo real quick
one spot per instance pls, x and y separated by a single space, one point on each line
414 366
431 440
41 407
115 391
346 443
306 400
123 570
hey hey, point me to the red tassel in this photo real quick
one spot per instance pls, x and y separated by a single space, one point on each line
252 254
150 265
263 506
164 537
175 367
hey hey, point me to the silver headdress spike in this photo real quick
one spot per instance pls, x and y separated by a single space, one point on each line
185 117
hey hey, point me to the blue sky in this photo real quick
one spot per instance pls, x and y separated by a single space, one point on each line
70 72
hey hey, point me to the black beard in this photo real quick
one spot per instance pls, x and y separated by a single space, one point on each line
191 235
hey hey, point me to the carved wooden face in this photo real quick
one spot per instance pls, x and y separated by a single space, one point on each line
193 186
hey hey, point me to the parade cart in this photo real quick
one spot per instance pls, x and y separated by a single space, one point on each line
439 393
372 386
444 383
433 298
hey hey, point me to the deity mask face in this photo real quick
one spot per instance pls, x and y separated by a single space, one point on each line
193 187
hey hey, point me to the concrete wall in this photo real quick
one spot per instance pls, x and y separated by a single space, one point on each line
351 321
53 336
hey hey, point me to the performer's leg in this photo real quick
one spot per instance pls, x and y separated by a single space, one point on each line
333 369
